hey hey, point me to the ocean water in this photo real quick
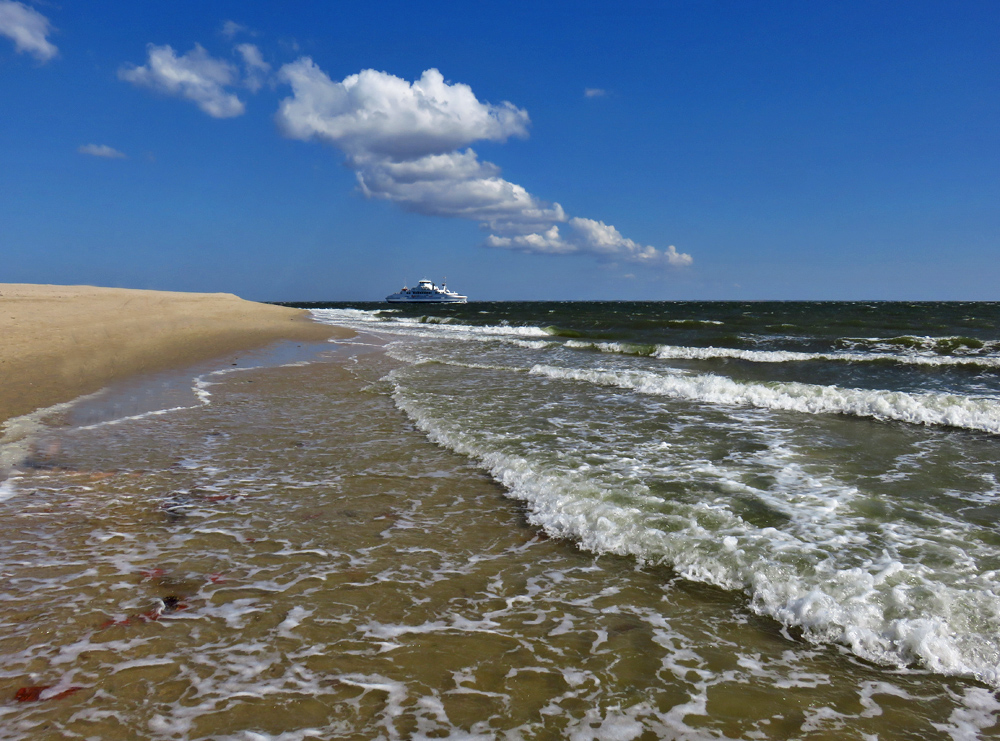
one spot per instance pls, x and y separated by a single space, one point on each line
524 520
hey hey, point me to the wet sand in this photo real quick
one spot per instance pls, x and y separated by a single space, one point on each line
60 342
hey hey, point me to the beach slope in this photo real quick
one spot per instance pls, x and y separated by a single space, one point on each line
58 342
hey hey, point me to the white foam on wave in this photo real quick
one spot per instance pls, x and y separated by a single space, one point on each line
199 387
631 722
948 410
412 354
441 327
293 620
925 343
680 352
7 490
449 327
821 572
978 712
134 417
534 344
687 322
672 352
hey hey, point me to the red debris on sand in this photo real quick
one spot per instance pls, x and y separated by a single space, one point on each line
34 694
31 694
109 623
153 573
216 578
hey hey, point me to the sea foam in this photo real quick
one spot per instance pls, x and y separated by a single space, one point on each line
919 351
680 352
887 609
950 410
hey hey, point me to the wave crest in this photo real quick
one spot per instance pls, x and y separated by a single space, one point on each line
899 406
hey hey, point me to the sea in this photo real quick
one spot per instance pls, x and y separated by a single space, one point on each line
522 520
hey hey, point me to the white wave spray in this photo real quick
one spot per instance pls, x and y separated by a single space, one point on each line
899 406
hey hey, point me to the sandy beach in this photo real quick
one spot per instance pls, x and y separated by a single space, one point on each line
63 341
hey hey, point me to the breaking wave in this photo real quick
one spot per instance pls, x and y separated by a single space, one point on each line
677 352
957 345
796 575
924 409
445 326
905 350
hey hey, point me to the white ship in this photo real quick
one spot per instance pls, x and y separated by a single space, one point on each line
426 292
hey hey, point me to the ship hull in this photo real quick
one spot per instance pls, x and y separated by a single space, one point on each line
394 299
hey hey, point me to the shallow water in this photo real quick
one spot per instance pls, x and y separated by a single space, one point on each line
295 558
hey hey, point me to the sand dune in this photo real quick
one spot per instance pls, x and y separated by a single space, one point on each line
58 342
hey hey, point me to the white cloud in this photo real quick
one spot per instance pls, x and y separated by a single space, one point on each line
100 150
587 236
549 241
377 113
256 67
677 259
408 143
456 184
28 28
232 28
603 239
594 92
252 58
195 76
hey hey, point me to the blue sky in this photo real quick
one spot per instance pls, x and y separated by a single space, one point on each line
655 150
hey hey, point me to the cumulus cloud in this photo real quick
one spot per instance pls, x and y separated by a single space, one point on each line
594 92
455 184
591 237
604 239
28 29
409 143
195 76
100 150
375 113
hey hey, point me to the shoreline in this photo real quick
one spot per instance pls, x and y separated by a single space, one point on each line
62 342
